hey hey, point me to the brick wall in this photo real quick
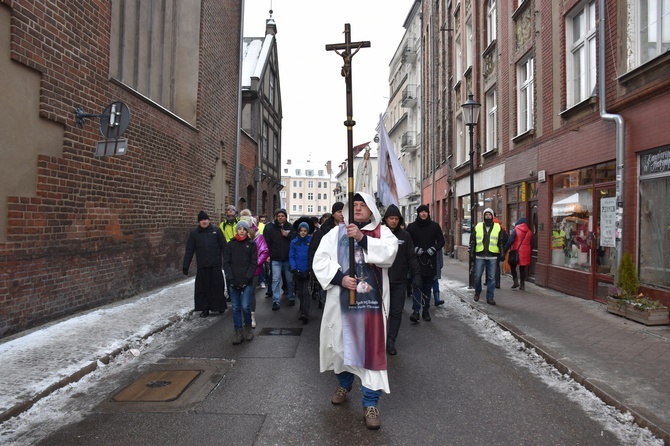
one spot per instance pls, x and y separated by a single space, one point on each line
102 229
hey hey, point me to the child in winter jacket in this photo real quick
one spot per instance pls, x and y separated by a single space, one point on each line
239 264
299 263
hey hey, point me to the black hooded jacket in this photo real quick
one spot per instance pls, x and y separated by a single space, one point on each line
316 239
427 234
406 260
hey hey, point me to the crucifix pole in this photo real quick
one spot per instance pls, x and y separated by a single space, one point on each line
345 51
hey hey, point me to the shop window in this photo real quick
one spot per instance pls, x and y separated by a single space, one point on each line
572 219
654 218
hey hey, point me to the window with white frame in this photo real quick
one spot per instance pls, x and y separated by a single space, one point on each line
460 152
310 196
458 63
295 183
580 34
491 120
651 24
470 44
491 22
310 208
525 96
282 194
310 184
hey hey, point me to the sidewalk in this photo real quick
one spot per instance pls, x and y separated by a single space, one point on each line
625 363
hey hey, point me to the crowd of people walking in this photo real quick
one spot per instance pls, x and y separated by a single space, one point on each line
363 302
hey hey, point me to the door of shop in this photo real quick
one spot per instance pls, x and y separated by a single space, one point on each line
602 242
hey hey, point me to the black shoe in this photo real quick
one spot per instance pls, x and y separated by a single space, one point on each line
275 306
498 286
426 316
205 313
291 303
414 317
439 302
390 348
303 318
490 301
477 296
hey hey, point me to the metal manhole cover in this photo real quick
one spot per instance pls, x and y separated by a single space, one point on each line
158 386
268 331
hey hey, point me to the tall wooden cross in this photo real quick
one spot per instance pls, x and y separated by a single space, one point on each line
345 51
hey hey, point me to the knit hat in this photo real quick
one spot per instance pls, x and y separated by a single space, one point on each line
242 223
489 210
423 207
281 211
303 225
337 206
392 211
230 207
202 215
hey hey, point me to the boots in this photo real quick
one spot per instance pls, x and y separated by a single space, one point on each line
523 285
516 283
249 333
239 336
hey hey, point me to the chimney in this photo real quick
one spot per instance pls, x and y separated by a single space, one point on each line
288 162
329 169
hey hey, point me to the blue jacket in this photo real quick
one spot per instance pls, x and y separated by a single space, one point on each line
298 254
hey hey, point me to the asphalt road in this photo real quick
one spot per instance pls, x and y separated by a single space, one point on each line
448 386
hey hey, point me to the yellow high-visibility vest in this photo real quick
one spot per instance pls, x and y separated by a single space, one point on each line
493 239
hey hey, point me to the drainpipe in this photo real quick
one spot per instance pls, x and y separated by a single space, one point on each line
620 136
433 112
239 110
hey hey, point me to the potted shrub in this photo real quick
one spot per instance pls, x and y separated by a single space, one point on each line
625 299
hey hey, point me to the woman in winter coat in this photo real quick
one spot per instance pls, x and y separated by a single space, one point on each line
521 240
263 254
299 261
239 264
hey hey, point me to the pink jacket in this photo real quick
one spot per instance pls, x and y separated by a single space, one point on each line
263 252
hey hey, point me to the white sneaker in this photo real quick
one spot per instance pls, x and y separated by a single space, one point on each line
253 320
262 285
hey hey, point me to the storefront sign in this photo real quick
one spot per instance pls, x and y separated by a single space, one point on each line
608 222
524 187
655 161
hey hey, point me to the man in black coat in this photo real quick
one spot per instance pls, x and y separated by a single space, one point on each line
405 260
207 243
278 236
428 240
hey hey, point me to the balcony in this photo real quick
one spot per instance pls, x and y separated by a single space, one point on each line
408 142
409 50
409 96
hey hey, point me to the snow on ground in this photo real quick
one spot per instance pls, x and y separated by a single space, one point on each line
620 424
47 414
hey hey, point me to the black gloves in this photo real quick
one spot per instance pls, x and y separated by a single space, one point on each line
416 282
418 251
185 270
430 251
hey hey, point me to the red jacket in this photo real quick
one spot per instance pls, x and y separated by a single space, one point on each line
522 243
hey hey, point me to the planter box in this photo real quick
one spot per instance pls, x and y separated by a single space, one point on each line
646 317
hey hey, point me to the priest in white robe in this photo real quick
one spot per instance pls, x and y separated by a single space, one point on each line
353 337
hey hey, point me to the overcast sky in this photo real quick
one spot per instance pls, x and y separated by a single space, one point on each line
313 91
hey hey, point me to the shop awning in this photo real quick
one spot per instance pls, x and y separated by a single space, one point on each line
567 206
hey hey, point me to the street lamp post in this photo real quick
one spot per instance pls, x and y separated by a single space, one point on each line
470 116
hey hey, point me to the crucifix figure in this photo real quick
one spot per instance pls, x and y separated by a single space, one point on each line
345 51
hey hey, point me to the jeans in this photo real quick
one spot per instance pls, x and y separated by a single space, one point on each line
370 397
277 267
490 265
241 300
398 292
303 295
422 295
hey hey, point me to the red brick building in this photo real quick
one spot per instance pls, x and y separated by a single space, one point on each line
79 230
569 134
